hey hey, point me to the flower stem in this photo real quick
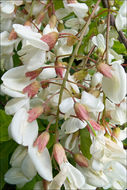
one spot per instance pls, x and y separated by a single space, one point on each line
71 61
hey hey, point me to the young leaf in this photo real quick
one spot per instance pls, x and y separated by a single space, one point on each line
4 123
85 142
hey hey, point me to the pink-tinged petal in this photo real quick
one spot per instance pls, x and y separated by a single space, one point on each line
41 162
50 38
59 153
34 113
33 74
105 69
81 112
32 89
42 141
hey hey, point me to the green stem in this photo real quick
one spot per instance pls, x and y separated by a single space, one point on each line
91 127
70 64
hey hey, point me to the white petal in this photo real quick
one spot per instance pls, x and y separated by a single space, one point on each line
58 180
11 92
91 102
26 32
21 131
15 104
67 105
7 7
47 74
72 125
61 13
18 156
74 175
96 79
99 41
15 78
15 176
80 9
28 168
47 29
70 145
4 39
41 162
115 87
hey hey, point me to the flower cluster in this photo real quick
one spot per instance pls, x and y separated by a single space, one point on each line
70 77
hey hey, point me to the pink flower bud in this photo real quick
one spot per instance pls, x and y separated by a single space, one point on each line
80 160
32 89
105 69
50 38
58 68
81 112
33 74
34 113
28 23
59 153
12 35
44 83
42 141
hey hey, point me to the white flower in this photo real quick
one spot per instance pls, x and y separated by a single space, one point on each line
80 9
9 6
121 18
21 130
34 38
75 179
41 162
115 87
22 170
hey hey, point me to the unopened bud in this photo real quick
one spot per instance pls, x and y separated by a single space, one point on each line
81 111
34 113
71 40
105 69
111 3
42 141
59 153
33 74
32 89
12 35
40 18
52 21
50 38
59 68
80 75
116 132
47 109
80 160
95 125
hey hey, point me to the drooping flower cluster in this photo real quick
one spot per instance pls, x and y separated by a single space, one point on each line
70 77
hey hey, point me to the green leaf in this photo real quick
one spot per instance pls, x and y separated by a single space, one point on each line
85 143
6 148
57 4
119 48
4 123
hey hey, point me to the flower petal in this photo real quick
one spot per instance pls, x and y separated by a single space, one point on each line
41 162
